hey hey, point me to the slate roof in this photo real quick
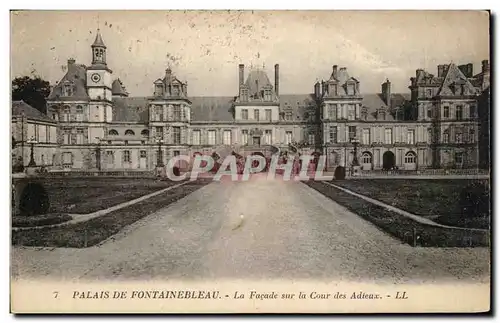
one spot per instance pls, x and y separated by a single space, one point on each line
118 89
220 109
256 81
373 101
212 108
20 107
98 40
133 109
299 104
77 77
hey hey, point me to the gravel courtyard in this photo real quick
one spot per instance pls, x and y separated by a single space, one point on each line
254 230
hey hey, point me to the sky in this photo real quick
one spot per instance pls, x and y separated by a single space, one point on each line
204 48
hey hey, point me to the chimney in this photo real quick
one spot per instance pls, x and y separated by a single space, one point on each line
71 62
335 71
242 73
317 92
323 88
466 69
441 70
419 73
277 79
386 92
485 66
168 74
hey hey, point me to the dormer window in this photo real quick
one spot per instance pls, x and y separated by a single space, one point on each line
159 89
175 90
68 89
351 89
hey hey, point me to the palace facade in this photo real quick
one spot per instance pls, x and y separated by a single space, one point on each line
97 125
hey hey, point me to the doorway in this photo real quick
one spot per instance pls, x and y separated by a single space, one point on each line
256 141
388 160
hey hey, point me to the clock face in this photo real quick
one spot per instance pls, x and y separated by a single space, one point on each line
95 77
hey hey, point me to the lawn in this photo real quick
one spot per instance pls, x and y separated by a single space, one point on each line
436 199
86 195
89 233
401 227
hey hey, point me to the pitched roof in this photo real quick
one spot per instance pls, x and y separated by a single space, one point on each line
20 107
372 102
212 108
118 89
98 40
452 77
301 105
75 76
132 109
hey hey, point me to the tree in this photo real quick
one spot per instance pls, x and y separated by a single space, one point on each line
33 91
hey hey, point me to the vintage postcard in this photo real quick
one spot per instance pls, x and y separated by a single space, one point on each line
250 162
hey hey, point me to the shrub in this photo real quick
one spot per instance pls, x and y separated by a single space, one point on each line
475 199
339 172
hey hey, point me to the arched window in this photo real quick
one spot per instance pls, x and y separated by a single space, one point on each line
366 158
410 158
145 132
113 132
129 132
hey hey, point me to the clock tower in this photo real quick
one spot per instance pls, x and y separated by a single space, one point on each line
99 83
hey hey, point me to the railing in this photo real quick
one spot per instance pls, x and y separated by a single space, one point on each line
429 172
89 173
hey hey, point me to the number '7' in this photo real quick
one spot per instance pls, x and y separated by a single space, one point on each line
55 294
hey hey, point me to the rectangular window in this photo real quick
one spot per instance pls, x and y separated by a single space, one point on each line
244 137
446 137
177 112
79 136
67 159
458 138
227 137
411 137
158 113
267 137
351 112
472 135
366 136
352 132
66 113
268 114
67 136
211 137
244 114
472 111
196 137
288 137
159 132
177 135
175 90
310 138
333 134
288 115
388 136
459 112
459 157
79 113
446 112
256 114
126 156
176 153
429 112
110 157
143 154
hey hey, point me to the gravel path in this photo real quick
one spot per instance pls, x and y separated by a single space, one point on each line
288 231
